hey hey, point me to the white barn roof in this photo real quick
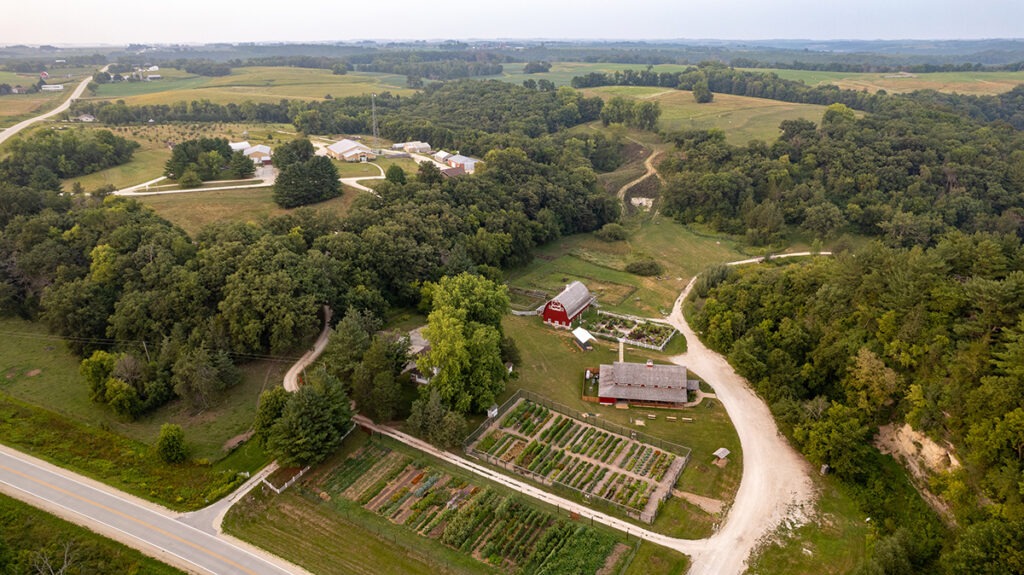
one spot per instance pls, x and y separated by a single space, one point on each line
259 148
239 146
342 146
582 335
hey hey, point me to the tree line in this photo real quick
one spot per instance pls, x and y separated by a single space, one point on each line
43 159
929 336
905 173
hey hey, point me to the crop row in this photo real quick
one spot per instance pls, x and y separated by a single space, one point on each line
527 418
626 490
354 467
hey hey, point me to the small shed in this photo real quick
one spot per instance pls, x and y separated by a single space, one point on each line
721 453
582 337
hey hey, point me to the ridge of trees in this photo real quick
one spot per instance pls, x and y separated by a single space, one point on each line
41 160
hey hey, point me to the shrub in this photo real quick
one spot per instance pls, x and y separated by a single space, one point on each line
611 233
170 445
644 268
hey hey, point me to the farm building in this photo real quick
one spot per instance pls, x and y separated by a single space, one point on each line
416 147
350 151
239 146
453 172
152 77
465 162
19 89
567 306
442 156
259 154
583 338
52 87
85 118
642 384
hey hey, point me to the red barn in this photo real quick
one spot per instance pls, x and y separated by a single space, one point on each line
567 306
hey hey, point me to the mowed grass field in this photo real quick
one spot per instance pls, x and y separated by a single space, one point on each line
977 83
256 84
191 211
741 118
38 369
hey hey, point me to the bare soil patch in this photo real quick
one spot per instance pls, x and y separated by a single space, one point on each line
613 559
33 373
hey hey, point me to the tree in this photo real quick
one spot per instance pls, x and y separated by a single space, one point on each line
190 179
993 547
170 445
839 439
429 174
199 374
483 300
375 388
348 343
269 410
436 423
96 370
702 93
395 174
308 182
240 167
312 423
297 151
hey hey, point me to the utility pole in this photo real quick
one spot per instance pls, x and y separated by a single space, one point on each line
373 111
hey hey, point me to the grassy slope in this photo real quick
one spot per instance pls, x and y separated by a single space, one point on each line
27 530
26 346
17 107
651 558
192 211
743 119
258 84
963 82
601 264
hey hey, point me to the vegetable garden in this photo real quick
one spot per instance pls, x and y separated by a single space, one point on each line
645 334
493 528
556 449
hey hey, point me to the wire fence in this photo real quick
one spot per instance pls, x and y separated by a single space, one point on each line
646 515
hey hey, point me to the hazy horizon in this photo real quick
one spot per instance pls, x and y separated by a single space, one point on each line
118 22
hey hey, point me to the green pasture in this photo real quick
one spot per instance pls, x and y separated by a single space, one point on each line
741 118
256 84
562 73
974 82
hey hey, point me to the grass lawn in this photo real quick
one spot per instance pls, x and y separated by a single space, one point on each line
651 558
553 366
601 265
256 84
741 118
369 170
27 530
192 211
834 542
17 107
978 83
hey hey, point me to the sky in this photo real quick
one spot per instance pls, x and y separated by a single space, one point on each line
201 21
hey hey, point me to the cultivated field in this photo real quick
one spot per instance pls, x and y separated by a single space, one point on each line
433 518
532 440
741 118
978 83
562 73
256 84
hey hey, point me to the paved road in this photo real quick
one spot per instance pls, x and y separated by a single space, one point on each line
63 106
146 527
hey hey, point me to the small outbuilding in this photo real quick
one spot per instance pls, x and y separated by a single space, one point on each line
350 151
721 453
568 306
465 162
260 154
239 146
87 118
582 337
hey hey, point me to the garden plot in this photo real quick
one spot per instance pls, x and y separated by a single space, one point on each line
493 528
534 441
645 334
